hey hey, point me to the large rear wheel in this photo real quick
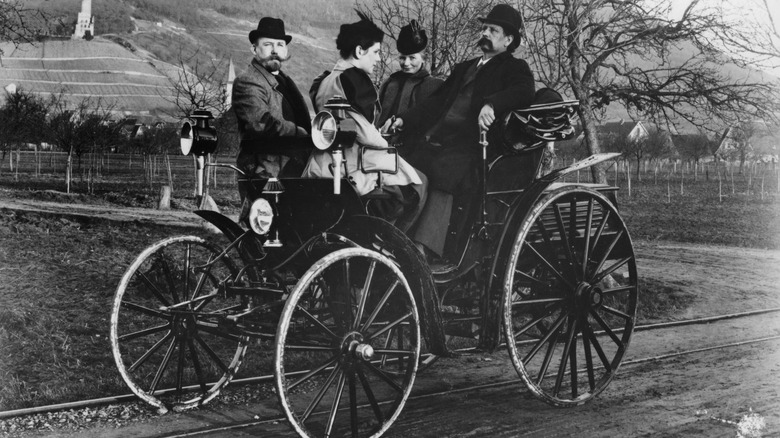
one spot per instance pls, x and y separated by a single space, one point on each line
347 346
169 333
570 296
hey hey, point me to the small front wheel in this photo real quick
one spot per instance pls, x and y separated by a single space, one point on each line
347 346
570 296
170 337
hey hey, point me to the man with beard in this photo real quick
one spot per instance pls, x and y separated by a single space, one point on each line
270 111
476 94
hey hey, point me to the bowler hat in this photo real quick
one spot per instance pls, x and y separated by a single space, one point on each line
411 39
505 16
269 28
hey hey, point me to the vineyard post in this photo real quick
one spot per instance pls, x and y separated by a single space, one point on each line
682 180
720 188
750 179
655 174
628 177
668 189
733 189
762 185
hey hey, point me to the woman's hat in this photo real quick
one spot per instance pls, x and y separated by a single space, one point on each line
411 39
269 28
505 16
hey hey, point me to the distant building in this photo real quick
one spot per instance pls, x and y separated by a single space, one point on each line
85 23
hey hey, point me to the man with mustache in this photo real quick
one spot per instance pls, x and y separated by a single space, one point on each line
270 111
476 94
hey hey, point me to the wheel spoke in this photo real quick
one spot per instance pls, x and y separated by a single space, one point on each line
616 312
211 353
154 289
600 230
169 279
216 331
529 278
618 289
519 303
544 339
180 367
320 394
163 366
573 363
370 394
334 407
402 353
364 295
145 332
564 236
145 310
150 352
547 357
316 322
607 253
314 372
611 269
381 304
309 347
196 365
389 326
381 374
588 360
606 328
599 351
586 249
549 265
353 417
564 358
529 325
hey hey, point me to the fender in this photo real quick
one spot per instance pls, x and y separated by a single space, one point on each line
370 232
248 248
492 303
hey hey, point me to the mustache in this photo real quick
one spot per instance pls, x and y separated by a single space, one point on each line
486 42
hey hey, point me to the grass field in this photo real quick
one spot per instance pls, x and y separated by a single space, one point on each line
58 275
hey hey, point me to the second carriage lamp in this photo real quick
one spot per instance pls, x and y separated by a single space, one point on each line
332 130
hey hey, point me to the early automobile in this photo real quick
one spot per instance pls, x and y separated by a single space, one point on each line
348 309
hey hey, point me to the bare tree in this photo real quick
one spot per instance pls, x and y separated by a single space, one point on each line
19 24
21 117
451 25
627 52
198 86
74 128
694 146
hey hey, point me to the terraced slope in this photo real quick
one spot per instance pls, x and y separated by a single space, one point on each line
81 69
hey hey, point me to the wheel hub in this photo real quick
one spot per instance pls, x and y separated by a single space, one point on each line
353 347
588 296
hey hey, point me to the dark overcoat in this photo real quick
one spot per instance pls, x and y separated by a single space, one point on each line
258 104
505 82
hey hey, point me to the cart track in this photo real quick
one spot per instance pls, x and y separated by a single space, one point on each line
269 378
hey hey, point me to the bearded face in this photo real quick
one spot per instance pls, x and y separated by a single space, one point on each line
271 53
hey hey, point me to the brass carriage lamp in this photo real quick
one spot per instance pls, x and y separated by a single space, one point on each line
199 139
332 130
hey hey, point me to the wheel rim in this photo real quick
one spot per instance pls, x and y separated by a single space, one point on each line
570 296
169 335
347 346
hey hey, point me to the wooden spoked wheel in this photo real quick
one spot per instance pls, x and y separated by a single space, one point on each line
170 337
570 296
347 346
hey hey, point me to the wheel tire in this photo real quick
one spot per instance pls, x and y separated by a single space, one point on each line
570 296
351 321
161 350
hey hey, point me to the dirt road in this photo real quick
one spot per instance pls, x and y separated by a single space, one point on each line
706 393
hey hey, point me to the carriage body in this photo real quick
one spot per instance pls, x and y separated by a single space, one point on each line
349 303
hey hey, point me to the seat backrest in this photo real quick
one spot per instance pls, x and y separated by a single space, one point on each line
514 171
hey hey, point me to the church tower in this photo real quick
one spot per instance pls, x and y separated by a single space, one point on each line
85 22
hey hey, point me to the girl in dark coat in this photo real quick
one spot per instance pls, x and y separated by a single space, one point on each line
411 84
